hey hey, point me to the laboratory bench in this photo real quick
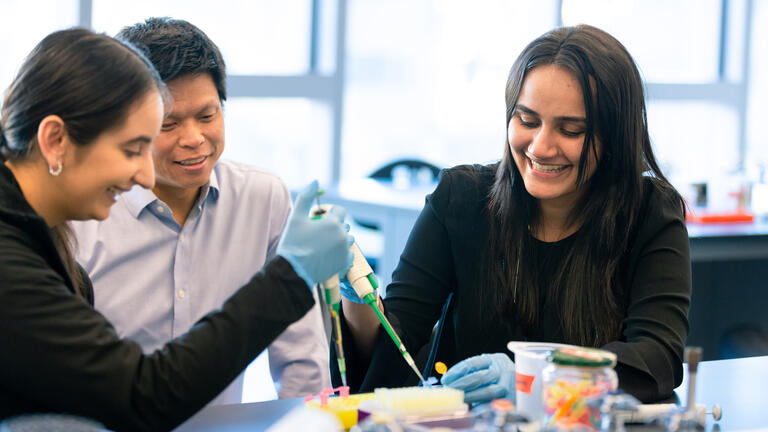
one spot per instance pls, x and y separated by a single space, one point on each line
728 241
739 386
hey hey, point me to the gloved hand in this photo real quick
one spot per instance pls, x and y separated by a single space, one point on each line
350 294
483 378
316 248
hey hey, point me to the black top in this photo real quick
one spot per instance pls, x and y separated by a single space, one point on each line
441 256
60 355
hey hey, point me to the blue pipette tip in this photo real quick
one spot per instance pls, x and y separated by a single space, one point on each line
429 382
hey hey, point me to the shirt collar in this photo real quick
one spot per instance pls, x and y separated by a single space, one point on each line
213 185
138 198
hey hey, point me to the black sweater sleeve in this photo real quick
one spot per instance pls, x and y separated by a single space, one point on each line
60 355
655 327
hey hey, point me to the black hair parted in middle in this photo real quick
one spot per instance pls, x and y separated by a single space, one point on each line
588 286
177 48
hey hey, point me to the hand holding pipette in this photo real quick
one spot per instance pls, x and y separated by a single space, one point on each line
316 249
360 276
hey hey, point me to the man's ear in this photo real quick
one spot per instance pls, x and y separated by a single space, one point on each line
52 140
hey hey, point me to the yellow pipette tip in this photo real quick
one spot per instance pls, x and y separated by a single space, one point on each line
441 368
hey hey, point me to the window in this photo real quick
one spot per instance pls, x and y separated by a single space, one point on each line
757 150
691 54
290 137
267 37
672 42
35 20
426 79
284 81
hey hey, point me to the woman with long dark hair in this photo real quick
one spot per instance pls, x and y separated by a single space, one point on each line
76 130
575 236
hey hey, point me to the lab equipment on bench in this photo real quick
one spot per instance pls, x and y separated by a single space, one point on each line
530 360
620 409
412 406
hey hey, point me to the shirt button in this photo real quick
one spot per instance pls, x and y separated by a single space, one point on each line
160 209
181 294
181 237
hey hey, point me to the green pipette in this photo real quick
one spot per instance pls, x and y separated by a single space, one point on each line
333 300
370 299
339 347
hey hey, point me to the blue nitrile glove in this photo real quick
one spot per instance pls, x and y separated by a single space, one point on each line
316 248
483 378
350 294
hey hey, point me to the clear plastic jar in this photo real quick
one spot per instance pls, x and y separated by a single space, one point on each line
573 382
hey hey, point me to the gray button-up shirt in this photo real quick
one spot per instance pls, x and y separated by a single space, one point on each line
153 279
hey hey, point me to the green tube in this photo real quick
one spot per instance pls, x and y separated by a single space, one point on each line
372 280
337 338
371 300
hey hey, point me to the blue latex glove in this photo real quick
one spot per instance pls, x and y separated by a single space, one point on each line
350 294
316 248
483 378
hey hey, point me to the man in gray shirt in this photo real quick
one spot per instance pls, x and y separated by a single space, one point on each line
157 263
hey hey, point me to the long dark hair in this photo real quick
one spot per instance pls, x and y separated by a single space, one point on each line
91 81
587 287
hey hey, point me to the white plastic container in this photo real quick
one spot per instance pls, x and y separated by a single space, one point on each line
530 360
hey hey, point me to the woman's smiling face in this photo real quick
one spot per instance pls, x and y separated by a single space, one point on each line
115 161
546 135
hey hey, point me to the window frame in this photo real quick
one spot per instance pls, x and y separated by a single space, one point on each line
322 86
328 88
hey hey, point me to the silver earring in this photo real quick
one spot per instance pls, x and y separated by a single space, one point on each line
57 171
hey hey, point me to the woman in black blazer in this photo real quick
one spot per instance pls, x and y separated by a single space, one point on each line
575 236
76 129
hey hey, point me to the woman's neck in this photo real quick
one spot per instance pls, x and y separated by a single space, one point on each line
35 184
554 222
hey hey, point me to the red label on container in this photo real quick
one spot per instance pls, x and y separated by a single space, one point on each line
524 383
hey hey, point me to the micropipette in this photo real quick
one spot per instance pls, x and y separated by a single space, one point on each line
332 299
360 276
332 295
